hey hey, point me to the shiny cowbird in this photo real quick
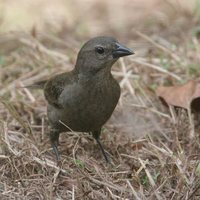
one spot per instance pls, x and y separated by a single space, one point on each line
83 99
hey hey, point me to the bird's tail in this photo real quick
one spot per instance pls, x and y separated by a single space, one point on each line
37 85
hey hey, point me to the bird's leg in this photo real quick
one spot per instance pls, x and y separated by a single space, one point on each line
54 139
96 135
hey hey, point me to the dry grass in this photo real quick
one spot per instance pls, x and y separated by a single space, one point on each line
153 156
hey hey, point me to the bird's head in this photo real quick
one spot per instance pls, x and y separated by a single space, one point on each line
100 53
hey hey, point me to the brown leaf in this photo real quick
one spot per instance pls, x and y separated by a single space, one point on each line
181 96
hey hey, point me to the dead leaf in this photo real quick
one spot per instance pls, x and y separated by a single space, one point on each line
180 96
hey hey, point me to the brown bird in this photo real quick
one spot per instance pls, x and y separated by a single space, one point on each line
83 99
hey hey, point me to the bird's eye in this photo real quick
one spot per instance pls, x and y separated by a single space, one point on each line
99 50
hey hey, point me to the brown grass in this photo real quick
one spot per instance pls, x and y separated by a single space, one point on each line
153 156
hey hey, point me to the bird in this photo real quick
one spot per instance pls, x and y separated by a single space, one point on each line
83 99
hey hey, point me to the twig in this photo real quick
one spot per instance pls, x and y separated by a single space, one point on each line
30 96
192 131
133 190
53 182
150 179
157 68
37 45
113 195
4 157
152 110
130 87
13 151
73 193
107 184
173 55
173 114
48 163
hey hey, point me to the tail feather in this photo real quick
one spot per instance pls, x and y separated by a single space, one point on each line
37 85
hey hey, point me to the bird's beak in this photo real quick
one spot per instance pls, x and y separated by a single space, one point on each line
121 51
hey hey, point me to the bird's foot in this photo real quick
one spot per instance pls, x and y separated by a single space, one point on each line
55 150
103 151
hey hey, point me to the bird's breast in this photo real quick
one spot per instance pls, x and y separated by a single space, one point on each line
88 107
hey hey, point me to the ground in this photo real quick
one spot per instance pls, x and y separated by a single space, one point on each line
152 152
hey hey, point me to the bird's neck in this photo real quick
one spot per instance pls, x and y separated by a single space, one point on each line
101 75
89 73
88 77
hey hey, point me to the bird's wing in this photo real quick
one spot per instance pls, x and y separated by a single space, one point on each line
55 86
